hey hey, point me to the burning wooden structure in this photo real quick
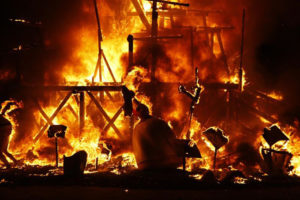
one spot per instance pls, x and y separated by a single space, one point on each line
166 40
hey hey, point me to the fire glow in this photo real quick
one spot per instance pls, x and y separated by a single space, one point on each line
105 147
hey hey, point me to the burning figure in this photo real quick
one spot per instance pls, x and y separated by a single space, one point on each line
5 131
195 96
153 141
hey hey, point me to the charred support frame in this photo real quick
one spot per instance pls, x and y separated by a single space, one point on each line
61 105
242 52
154 30
130 52
81 112
141 14
81 90
100 55
212 31
131 39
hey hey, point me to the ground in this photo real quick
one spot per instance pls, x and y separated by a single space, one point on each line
47 183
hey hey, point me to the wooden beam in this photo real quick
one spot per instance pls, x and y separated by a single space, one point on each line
108 67
43 112
257 112
109 96
81 112
169 12
75 89
104 113
69 106
204 18
224 57
242 52
172 3
63 102
212 45
213 29
212 85
159 37
141 14
72 111
112 121
76 99
264 96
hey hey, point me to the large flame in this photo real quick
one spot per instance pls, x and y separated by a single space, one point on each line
175 68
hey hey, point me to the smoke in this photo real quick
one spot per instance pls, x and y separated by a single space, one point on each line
271 45
274 50
35 50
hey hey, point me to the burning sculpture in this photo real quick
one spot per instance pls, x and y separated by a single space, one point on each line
154 143
166 40
5 130
276 162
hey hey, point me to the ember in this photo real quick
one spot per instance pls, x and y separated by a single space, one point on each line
74 82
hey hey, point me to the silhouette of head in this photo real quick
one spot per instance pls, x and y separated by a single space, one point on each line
142 111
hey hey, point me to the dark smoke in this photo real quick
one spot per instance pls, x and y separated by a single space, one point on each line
271 45
274 51
47 41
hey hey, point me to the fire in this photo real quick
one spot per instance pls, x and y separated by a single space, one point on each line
275 95
147 6
176 65
289 146
13 105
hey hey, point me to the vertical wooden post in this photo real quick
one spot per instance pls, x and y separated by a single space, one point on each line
61 105
212 44
184 163
228 110
192 47
154 32
100 51
222 51
242 52
131 125
56 152
205 25
130 53
81 112
211 49
154 19
96 164
215 159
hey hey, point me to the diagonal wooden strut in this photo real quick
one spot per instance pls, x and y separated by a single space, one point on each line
112 121
43 112
223 52
141 14
108 67
104 113
61 105
100 50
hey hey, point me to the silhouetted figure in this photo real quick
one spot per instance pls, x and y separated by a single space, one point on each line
153 141
5 131
75 164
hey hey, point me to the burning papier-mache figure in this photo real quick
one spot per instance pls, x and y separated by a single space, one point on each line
275 162
195 96
154 143
5 131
